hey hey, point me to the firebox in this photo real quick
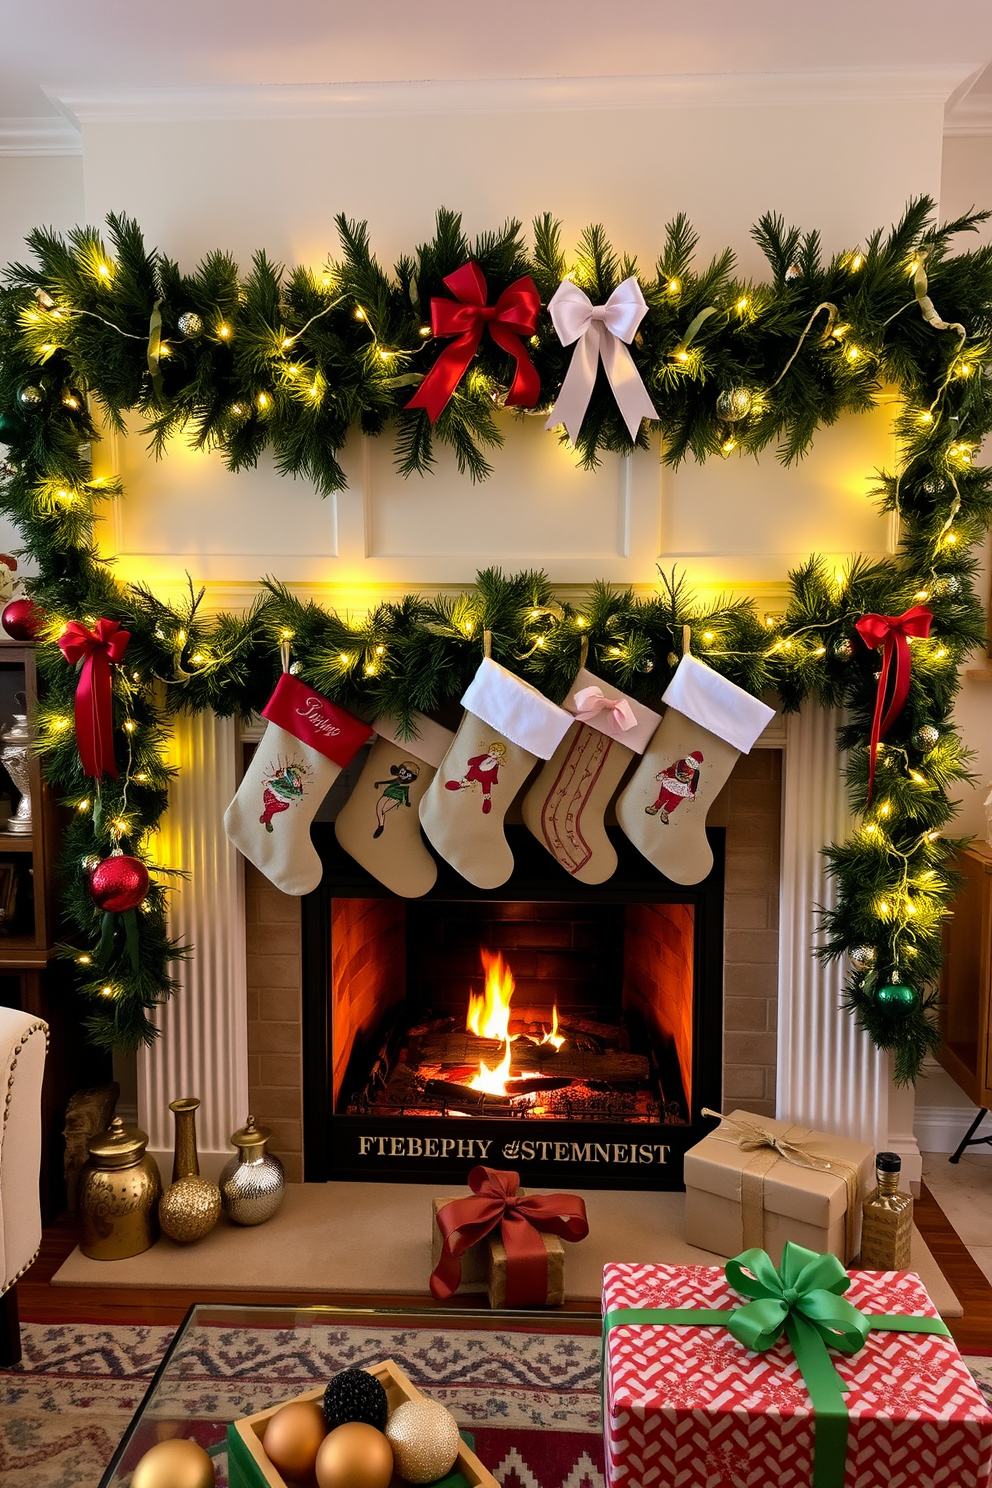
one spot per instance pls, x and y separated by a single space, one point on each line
569 1032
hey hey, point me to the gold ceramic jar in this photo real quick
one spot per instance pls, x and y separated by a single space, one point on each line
119 1190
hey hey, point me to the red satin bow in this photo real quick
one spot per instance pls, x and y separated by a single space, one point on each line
96 649
892 633
464 1222
466 316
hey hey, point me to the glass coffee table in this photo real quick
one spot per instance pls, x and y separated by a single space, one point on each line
523 1385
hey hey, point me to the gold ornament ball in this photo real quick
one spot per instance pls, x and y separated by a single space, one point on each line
733 404
292 1439
174 1464
354 1456
189 1209
424 1439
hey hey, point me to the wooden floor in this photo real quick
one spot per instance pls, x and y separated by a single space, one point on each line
41 1302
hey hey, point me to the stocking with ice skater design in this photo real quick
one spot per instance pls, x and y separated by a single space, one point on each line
709 722
565 806
379 824
307 743
507 726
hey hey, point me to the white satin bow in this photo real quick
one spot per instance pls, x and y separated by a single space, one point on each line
592 700
600 331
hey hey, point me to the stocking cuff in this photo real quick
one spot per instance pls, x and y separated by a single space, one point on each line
514 708
716 704
429 744
315 721
601 706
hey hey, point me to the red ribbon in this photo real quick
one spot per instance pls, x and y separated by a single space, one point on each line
464 1222
96 649
466 316
892 633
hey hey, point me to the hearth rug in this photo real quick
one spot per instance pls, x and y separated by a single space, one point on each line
64 1410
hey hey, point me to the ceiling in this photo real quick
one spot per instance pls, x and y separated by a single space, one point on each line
53 46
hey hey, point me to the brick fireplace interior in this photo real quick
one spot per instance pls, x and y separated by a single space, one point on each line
609 942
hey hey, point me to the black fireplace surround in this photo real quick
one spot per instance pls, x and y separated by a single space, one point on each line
598 953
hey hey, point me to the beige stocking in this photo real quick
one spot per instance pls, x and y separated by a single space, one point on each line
507 726
379 824
663 808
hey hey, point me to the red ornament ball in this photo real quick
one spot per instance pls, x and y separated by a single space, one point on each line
22 619
119 883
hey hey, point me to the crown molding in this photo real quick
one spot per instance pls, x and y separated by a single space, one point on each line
84 106
972 115
53 135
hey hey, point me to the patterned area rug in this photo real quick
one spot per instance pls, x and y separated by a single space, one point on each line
63 1411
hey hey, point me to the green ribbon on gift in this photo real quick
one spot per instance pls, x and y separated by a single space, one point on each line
802 1299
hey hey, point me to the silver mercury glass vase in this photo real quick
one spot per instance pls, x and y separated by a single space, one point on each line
15 757
253 1183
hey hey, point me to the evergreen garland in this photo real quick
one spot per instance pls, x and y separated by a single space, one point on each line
296 360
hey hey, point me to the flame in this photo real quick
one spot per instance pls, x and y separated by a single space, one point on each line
553 1036
493 1081
489 1011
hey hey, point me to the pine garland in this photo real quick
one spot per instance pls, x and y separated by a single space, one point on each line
296 361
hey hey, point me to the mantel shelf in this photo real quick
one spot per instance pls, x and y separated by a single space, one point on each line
9 842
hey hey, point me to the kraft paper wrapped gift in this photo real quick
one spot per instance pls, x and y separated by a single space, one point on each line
755 1181
484 1265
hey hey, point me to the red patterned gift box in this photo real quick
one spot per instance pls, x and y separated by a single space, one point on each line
689 1405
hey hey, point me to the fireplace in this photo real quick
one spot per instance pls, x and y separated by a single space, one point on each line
572 1033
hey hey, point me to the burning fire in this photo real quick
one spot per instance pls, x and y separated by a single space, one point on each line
489 1017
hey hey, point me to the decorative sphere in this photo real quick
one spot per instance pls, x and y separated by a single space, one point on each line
896 995
189 1209
190 325
21 619
844 649
792 273
733 404
174 1464
11 424
946 584
933 486
292 1439
119 883
926 737
355 1395
863 957
30 396
354 1455
424 1439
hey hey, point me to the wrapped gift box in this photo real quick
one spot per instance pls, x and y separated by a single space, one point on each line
484 1265
738 1197
690 1405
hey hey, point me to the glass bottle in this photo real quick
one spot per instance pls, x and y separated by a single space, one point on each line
887 1219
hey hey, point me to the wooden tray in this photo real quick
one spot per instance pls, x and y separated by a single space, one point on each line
248 1466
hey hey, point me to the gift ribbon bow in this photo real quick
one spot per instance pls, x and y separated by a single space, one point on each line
95 649
600 331
892 633
592 700
466 316
802 1299
464 1222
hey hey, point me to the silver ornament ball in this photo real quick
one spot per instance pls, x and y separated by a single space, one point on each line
190 325
844 649
31 396
733 404
91 863
863 957
926 738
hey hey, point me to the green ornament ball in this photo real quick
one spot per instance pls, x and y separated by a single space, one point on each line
926 738
11 425
733 404
896 995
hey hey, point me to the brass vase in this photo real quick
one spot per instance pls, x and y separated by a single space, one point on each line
190 1206
119 1188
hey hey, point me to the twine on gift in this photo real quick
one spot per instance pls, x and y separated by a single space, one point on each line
767 1147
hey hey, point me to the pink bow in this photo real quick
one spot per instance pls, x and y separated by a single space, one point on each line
592 700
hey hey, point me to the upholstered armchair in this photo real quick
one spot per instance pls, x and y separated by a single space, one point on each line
23 1046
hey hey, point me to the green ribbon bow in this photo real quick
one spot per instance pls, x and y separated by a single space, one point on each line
802 1299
